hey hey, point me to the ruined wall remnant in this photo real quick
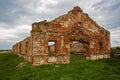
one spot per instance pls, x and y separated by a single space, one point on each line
64 31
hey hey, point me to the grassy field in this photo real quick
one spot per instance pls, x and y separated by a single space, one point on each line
78 69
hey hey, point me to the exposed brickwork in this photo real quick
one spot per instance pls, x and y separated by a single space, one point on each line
94 41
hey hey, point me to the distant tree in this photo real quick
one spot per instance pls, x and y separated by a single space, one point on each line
117 47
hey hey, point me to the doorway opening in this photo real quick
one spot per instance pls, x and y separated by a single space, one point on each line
51 48
79 47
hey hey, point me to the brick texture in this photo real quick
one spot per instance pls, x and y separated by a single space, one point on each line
94 40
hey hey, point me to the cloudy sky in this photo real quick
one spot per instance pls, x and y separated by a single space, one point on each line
16 16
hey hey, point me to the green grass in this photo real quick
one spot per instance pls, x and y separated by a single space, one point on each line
78 69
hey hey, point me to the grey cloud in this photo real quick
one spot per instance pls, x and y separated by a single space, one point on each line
16 13
7 9
110 5
110 11
11 10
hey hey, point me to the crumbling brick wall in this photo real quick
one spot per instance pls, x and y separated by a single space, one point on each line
73 26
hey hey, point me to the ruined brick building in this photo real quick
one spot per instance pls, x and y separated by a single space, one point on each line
76 26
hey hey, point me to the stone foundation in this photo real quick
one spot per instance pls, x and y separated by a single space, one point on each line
98 56
39 60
